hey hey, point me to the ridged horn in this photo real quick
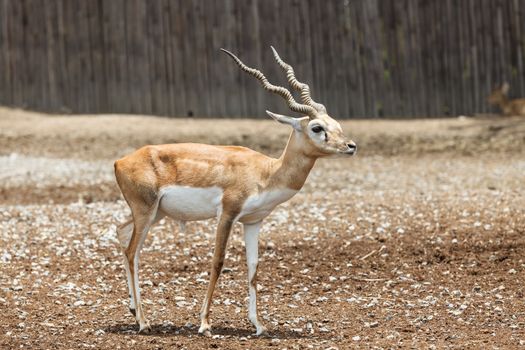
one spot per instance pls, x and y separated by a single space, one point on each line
283 92
303 88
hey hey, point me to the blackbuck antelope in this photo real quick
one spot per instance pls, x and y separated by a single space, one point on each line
508 107
197 182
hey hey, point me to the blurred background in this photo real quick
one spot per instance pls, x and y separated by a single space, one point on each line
401 58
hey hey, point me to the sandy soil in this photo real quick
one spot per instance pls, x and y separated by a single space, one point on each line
417 242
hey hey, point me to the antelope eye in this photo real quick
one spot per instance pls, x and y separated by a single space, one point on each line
317 129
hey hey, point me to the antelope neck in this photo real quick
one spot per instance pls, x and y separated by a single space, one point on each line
293 166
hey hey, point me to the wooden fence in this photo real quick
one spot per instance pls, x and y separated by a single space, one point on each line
361 58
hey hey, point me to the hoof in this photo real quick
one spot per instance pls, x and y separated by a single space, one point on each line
205 330
144 328
133 312
261 331
206 333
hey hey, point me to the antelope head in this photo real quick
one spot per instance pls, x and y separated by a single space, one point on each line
318 134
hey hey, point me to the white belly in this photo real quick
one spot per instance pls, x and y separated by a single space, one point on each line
191 203
259 206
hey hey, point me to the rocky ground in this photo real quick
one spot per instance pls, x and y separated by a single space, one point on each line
417 242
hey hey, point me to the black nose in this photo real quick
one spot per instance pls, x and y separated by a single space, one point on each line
352 146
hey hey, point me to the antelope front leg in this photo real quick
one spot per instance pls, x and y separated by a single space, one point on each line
251 240
221 240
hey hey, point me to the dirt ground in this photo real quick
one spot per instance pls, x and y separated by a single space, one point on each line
417 242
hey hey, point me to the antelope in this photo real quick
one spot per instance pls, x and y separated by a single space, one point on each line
188 182
499 97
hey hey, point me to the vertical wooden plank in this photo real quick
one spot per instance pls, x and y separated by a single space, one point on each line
123 52
338 70
217 59
400 59
182 87
475 90
357 49
457 62
247 83
435 58
5 49
30 49
39 32
500 42
332 72
389 74
445 38
437 53
53 70
510 49
167 53
72 55
190 68
368 59
507 36
268 35
486 38
518 18
210 53
461 61
43 91
317 74
413 58
86 83
432 57
484 54
325 56
109 31
62 76
18 58
404 56
157 62
398 73
257 49
41 43
94 48
138 39
347 57
491 43
23 69
201 71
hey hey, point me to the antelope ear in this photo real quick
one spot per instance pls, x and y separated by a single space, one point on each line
294 122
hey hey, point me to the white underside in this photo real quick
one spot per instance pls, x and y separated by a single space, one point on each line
191 203
260 205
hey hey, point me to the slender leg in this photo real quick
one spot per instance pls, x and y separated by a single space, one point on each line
182 226
221 240
251 240
124 233
142 223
